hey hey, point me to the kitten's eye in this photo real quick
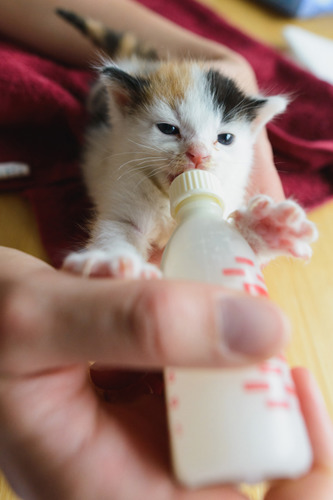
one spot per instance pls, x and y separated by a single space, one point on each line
167 129
225 139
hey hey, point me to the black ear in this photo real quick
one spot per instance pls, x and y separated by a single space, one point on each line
235 104
266 109
126 90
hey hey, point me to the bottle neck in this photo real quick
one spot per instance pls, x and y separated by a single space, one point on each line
198 204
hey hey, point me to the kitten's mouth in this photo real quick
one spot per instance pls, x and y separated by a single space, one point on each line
171 177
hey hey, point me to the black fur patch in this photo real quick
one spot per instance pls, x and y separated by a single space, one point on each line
74 19
232 101
112 40
98 106
135 87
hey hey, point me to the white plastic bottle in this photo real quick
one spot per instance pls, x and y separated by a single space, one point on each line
230 425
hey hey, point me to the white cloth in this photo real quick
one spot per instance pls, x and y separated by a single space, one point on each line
312 51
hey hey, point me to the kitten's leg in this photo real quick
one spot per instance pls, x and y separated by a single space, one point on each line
117 250
274 229
93 262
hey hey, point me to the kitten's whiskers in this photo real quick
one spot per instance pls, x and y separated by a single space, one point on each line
140 164
154 148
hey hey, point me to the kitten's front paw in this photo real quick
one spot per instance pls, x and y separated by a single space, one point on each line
104 264
276 228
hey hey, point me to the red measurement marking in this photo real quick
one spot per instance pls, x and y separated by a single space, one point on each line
256 386
265 367
281 357
233 272
179 430
261 291
174 402
290 390
253 289
244 260
278 404
171 376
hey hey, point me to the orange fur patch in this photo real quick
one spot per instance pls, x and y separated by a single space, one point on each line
96 31
170 82
127 46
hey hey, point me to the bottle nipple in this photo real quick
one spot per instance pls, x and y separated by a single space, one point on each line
191 183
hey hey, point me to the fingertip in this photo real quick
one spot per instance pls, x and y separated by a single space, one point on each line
252 328
199 325
316 415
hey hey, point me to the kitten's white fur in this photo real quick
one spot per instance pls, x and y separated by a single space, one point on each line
128 167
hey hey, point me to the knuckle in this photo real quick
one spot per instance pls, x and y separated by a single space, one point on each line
152 324
20 320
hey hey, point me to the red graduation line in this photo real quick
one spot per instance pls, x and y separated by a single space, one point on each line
281 357
233 272
250 288
277 404
290 390
174 402
179 430
244 260
265 367
256 386
261 290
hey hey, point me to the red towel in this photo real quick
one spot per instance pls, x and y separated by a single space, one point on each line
42 120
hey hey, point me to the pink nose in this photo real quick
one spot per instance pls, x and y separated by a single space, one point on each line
196 156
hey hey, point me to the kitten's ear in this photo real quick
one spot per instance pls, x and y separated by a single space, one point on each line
125 90
266 109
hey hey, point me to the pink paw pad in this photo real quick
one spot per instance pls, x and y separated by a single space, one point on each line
280 227
150 274
121 267
100 264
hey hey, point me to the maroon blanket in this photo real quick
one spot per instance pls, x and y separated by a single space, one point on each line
42 120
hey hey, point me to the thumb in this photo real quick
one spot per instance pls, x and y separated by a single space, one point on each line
59 319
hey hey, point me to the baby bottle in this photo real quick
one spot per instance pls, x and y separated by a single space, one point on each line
226 425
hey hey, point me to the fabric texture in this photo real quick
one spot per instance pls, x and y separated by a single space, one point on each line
42 121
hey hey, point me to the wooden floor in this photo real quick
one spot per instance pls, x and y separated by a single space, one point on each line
305 292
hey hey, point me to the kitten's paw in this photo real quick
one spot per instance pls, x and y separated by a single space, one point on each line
105 264
276 228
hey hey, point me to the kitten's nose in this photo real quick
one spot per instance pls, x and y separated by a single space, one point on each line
196 156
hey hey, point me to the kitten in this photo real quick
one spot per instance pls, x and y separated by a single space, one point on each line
151 121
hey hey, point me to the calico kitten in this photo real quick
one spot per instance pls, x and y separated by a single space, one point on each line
151 121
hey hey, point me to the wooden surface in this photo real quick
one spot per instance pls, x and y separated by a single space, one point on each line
266 24
305 292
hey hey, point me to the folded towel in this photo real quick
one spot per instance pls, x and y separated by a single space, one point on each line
42 117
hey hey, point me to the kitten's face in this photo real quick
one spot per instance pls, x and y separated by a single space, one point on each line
181 117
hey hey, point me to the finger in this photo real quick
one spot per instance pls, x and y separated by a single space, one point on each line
319 482
59 318
316 416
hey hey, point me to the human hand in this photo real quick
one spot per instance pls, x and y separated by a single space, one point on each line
59 439
318 483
